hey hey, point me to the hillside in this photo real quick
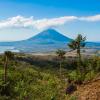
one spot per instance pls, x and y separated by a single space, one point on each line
89 91
38 77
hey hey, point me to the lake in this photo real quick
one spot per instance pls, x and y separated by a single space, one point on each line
8 48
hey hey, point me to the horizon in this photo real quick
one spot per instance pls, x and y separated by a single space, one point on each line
20 20
41 32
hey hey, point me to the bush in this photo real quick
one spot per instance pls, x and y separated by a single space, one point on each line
90 75
73 98
76 77
70 89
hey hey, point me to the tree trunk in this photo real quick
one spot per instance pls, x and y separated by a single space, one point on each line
60 68
80 67
79 61
5 69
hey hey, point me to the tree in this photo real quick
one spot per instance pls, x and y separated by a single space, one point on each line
8 55
77 45
61 56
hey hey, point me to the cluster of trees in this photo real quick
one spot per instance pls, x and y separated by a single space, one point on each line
77 45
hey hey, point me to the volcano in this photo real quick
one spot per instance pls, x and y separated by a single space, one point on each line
45 41
49 36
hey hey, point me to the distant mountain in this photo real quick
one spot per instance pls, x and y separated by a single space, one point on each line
49 36
46 36
45 41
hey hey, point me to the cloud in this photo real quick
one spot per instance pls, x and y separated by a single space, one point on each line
20 21
23 22
45 23
17 21
90 18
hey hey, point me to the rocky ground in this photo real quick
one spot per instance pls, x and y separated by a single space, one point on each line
89 91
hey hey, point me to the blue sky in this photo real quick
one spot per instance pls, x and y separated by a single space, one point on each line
21 19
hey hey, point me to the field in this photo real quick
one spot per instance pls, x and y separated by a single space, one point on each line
37 77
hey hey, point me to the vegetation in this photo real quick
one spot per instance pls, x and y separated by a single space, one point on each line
77 44
7 56
61 56
27 77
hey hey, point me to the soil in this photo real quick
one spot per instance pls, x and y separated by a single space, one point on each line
89 91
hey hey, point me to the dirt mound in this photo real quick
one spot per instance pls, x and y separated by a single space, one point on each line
89 91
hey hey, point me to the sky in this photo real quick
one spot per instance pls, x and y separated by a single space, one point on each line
22 19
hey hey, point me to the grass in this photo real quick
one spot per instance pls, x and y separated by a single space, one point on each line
31 78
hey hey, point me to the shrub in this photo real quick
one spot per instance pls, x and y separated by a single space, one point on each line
73 98
70 89
76 77
90 75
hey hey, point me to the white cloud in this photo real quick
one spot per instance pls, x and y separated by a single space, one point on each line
20 21
45 23
17 21
91 18
23 22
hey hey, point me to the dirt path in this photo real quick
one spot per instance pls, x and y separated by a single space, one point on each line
90 91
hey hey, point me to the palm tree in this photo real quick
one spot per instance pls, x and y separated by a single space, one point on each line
8 55
61 56
77 44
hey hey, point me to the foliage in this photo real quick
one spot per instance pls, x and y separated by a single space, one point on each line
90 75
77 44
61 56
76 77
30 81
73 98
61 53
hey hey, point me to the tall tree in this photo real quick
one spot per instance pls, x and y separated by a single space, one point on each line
77 45
61 56
8 55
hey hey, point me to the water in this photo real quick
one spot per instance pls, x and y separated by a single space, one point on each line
8 48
